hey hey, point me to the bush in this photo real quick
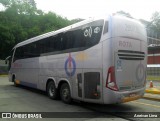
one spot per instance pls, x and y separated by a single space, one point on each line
3 70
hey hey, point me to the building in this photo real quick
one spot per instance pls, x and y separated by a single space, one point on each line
153 63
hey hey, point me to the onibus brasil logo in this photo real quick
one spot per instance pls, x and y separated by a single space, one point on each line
70 66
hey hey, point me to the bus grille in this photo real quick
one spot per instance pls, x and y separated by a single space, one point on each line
131 55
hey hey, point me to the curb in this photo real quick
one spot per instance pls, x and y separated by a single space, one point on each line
3 75
153 91
153 97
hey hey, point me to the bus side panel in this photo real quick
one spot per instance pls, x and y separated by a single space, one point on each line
15 70
69 68
59 67
29 72
77 78
47 70
107 62
25 71
92 72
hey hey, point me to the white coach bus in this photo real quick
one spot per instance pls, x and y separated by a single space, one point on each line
96 60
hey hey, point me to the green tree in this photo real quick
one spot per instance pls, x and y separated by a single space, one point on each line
7 40
76 20
124 13
155 22
22 20
6 3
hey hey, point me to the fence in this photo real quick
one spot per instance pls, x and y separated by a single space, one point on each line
153 67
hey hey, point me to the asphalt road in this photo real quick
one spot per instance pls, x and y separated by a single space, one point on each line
22 99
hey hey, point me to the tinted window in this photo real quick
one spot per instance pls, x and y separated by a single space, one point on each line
19 53
77 39
30 50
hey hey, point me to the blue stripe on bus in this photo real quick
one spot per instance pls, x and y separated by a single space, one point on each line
28 84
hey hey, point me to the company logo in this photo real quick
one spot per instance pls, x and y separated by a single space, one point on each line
70 66
140 73
6 115
88 32
97 30
21 115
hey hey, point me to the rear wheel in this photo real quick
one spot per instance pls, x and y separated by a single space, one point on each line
51 90
65 93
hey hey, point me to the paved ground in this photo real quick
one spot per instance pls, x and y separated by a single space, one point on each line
154 92
22 99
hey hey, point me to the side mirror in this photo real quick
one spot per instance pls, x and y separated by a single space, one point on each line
7 59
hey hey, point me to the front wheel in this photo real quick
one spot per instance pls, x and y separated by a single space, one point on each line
14 81
65 93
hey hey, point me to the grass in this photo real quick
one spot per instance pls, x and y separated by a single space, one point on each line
153 78
3 75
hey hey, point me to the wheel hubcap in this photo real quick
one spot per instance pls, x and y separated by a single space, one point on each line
51 90
65 93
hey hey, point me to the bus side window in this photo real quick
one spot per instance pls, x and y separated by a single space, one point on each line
18 53
64 40
41 46
15 55
78 38
69 41
50 44
57 42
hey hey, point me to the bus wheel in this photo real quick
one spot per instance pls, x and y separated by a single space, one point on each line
14 81
65 93
51 90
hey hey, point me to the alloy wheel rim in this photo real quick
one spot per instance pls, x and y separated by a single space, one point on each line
51 90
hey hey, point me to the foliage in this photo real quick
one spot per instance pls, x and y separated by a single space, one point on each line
124 13
155 22
76 20
22 20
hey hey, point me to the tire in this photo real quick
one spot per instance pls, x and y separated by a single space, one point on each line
51 90
65 93
14 81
